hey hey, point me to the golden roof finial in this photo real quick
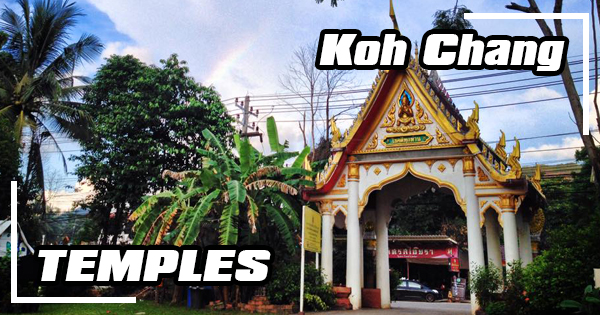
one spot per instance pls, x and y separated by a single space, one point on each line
417 52
335 133
537 178
501 145
472 123
393 17
513 160
538 173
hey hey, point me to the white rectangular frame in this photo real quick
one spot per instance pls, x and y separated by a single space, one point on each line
14 241
585 17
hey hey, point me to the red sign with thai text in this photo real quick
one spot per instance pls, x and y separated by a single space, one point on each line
454 265
428 252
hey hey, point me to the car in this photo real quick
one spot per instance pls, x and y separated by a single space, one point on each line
413 290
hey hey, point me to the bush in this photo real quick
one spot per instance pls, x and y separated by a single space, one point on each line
590 303
485 283
563 271
284 287
5 287
515 291
496 308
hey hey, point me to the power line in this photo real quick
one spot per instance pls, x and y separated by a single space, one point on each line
265 97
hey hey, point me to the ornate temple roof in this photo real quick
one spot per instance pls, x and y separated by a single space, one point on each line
504 168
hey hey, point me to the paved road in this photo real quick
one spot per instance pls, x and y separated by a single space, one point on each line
416 308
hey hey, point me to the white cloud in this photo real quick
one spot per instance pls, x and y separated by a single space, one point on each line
121 49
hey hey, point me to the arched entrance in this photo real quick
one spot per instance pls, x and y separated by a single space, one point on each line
409 135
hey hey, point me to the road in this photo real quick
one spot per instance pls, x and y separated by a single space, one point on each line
413 308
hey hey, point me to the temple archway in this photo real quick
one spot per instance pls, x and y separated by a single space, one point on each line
408 127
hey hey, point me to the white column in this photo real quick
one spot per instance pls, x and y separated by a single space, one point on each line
493 239
382 267
511 242
524 232
327 241
353 239
474 238
362 255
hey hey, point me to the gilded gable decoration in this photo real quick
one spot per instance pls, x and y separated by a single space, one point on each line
439 136
373 143
406 120
482 176
342 182
422 117
390 119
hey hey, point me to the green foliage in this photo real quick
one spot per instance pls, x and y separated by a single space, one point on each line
37 86
429 213
452 19
571 201
5 274
496 308
565 269
249 197
284 287
485 282
147 119
394 279
9 165
589 304
515 293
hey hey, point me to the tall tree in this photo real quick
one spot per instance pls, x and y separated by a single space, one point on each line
37 83
567 78
452 19
316 88
146 119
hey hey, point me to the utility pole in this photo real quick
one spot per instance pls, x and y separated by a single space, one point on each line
247 111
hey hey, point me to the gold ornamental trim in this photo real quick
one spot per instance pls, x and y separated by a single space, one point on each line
468 166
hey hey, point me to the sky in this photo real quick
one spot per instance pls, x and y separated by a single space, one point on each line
244 47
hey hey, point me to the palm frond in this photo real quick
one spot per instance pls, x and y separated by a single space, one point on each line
252 214
167 220
283 226
300 158
191 229
262 183
236 192
179 176
287 208
228 225
262 172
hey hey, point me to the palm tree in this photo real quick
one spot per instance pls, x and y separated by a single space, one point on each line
227 190
37 81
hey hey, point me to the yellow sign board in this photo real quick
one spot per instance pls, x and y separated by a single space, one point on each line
312 230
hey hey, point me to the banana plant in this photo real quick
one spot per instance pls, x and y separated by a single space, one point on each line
227 189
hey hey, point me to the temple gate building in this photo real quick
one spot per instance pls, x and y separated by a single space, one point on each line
409 137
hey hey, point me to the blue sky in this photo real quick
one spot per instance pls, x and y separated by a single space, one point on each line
243 47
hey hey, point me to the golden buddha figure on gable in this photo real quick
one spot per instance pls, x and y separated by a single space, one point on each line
405 114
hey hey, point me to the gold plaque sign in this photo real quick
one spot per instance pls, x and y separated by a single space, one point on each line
391 141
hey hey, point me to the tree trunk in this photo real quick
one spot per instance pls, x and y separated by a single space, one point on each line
177 294
567 78
226 295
